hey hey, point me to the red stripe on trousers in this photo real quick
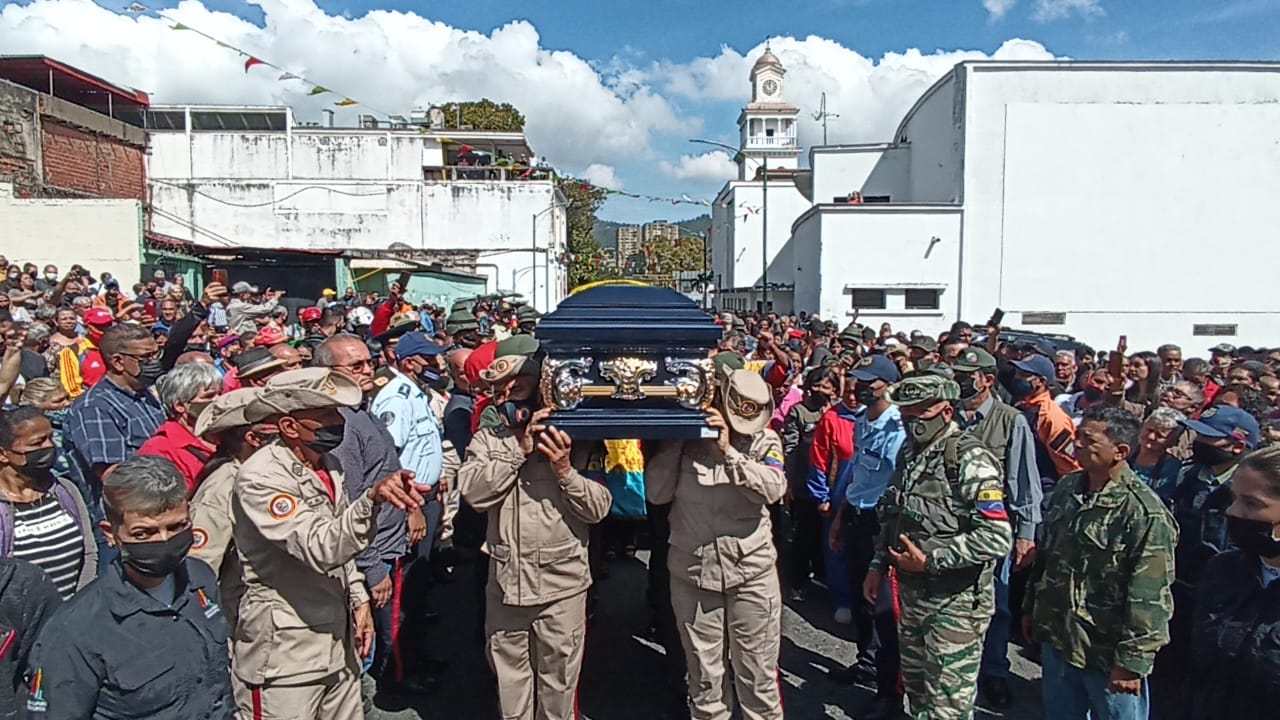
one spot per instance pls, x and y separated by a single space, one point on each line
897 620
397 587
257 703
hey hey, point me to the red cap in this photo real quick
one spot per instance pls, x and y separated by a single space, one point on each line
99 317
310 314
479 360
268 336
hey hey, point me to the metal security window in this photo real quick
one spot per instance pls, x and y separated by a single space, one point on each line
868 299
923 299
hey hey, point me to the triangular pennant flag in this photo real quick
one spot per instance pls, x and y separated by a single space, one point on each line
288 76
345 102
179 26
317 90
251 62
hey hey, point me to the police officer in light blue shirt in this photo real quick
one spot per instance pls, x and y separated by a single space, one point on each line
404 405
878 436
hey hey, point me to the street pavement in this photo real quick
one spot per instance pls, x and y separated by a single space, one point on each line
622 670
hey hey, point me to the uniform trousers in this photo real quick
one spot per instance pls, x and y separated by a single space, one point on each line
743 624
333 697
940 638
536 652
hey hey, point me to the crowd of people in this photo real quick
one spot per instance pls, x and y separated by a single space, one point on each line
219 507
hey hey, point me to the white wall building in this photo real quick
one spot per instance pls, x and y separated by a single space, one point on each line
1091 199
102 235
252 177
748 231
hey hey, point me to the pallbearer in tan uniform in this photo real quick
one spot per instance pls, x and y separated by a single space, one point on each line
305 616
724 583
540 509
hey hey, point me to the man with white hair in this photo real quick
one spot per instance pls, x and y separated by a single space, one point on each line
184 392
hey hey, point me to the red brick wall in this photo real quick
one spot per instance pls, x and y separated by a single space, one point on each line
91 165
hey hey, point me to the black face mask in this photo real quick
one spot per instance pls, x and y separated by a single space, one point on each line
157 559
865 395
327 438
967 388
39 462
819 399
514 415
149 371
1210 456
1257 537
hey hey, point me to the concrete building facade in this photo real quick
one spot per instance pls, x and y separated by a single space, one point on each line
1089 199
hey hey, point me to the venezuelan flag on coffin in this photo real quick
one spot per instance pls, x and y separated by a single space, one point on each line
624 476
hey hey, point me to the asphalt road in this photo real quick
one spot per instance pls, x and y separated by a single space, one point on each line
622 670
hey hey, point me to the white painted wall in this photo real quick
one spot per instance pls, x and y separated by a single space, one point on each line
1121 196
737 253
869 169
935 130
878 246
353 189
102 235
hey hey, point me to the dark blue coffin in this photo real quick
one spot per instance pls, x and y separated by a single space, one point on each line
627 361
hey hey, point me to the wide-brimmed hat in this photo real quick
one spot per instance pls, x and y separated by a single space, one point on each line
747 402
306 389
257 361
226 411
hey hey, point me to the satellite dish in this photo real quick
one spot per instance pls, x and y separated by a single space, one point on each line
435 117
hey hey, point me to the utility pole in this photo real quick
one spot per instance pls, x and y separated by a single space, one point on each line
822 115
764 235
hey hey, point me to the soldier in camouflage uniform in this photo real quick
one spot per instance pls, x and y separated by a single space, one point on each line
944 526
1099 597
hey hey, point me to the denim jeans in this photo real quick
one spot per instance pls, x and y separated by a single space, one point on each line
1074 694
995 649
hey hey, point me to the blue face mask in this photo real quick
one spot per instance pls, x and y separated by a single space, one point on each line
57 417
1020 388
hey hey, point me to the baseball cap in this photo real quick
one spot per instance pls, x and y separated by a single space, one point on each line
974 359
243 287
99 317
925 343
1222 421
310 314
306 389
923 388
876 367
1223 349
268 336
228 340
1036 365
416 344
329 292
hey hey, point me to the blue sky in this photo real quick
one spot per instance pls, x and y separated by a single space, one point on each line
613 89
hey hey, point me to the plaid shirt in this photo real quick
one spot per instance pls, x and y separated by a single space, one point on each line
106 426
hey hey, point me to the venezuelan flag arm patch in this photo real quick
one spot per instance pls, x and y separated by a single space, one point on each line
991 504
773 459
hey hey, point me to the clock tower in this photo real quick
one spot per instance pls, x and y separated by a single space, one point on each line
767 126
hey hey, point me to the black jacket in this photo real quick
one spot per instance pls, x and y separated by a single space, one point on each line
27 598
1235 643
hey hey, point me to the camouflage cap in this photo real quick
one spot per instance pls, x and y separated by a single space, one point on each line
850 335
512 358
725 362
527 314
974 359
924 388
460 320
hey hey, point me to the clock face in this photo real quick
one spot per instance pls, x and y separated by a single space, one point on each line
770 87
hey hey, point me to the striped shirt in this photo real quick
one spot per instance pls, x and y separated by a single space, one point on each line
46 536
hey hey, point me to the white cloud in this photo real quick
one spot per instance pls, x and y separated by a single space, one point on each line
1050 10
389 61
708 167
997 8
602 175
871 96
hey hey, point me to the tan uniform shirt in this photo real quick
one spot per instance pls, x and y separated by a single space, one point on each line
721 535
212 539
538 525
298 548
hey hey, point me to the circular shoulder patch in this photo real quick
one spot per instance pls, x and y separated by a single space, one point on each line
199 539
282 506
387 417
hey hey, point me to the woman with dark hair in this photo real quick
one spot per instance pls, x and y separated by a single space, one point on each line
1144 370
43 518
1235 641
821 388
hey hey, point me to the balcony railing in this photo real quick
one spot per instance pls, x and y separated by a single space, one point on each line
487 173
777 141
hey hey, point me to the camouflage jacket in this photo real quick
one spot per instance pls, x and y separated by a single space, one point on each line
960 523
1101 588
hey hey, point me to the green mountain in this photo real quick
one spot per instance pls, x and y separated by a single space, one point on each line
606 231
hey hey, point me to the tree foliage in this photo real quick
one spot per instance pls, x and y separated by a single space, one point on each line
586 259
663 255
483 115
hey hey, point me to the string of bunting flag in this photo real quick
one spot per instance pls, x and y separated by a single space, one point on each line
252 61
